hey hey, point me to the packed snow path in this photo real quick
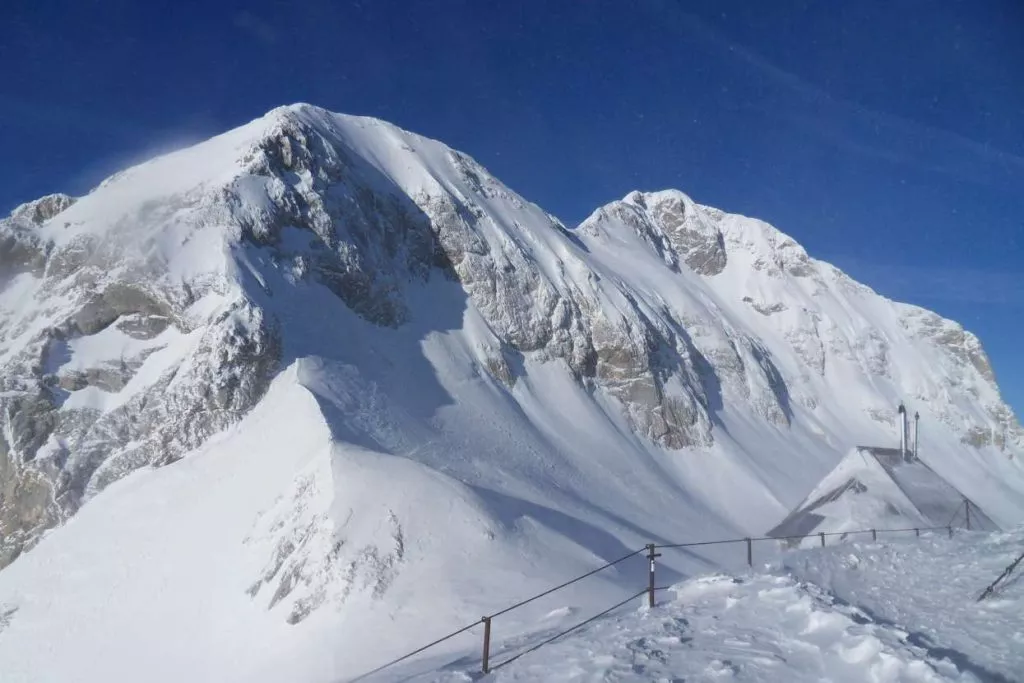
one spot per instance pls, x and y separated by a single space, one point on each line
756 628
876 612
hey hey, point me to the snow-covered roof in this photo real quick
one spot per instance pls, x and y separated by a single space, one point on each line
875 488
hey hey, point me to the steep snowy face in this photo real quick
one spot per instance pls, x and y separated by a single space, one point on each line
143 318
382 369
966 378
814 335
672 225
388 208
124 340
131 332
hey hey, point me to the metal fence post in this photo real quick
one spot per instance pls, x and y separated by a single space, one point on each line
822 534
487 645
967 505
750 552
917 532
874 535
650 574
950 529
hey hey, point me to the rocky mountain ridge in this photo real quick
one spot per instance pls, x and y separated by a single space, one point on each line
142 319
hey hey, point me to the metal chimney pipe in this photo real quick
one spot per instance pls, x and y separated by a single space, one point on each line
903 431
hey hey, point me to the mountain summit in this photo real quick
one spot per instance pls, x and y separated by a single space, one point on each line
381 369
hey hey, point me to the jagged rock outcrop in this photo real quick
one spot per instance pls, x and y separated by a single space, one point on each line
21 249
672 225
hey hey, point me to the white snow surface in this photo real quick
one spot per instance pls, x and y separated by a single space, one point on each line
391 485
929 589
896 611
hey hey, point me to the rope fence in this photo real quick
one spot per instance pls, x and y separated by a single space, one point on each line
652 554
1006 572
567 583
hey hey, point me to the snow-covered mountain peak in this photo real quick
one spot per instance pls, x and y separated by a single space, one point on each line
675 227
666 366
703 238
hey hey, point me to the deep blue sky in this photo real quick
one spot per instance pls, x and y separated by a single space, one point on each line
886 137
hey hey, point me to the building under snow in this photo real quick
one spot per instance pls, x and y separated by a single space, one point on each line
882 488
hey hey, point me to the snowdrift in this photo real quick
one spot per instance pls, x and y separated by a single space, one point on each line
928 591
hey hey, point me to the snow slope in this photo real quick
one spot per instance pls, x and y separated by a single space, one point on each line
345 362
160 553
761 628
903 610
929 589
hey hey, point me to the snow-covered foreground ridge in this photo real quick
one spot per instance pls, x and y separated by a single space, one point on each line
898 611
373 368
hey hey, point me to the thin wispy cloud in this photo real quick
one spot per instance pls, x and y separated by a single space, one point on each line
862 129
17 111
256 28
951 284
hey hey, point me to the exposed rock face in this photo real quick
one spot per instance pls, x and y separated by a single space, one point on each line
21 249
25 505
731 249
41 210
134 322
367 239
964 349
74 410
673 225
949 335
765 308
